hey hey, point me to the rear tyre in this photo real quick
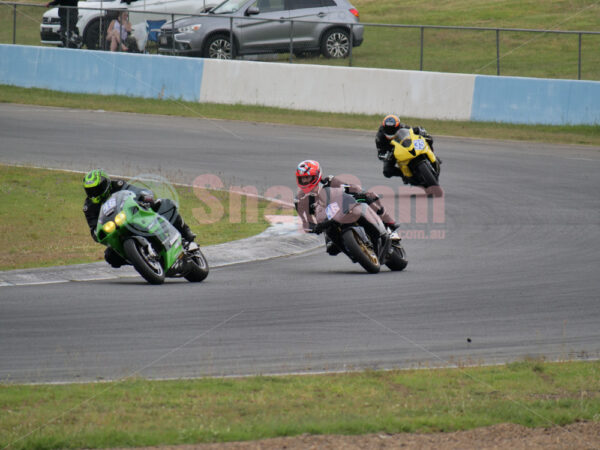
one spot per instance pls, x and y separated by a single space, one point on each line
199 267
397 261
362 252
147 265
218 47
336 44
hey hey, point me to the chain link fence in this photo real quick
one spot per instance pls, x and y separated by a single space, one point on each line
474 50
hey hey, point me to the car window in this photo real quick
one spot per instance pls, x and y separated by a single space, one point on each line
302 4
228 7
270 5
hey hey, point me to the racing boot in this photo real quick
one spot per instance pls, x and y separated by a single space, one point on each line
187 234
114 259
392 226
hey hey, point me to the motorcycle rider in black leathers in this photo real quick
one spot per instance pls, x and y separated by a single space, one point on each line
385 150
99 187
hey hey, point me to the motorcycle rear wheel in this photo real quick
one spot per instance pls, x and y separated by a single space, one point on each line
199 270
362 253
151 270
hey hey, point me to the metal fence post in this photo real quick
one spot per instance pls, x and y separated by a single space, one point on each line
422 35
68 27
497 52
14 23
579 60
291 40
173 37
231 46
351 44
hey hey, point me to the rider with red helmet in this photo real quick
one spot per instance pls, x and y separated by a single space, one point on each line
310 181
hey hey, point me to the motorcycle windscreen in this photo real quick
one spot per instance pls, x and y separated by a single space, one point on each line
111 207
338 205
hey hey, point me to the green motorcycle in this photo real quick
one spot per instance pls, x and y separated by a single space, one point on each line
148 241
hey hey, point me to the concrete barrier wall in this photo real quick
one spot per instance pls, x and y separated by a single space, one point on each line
305 87
106 73
339 89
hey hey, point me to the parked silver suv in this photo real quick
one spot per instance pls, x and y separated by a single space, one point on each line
329 27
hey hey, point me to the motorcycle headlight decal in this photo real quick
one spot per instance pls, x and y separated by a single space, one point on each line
109 227
120 218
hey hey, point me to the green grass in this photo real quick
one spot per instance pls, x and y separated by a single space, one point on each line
459 51
136 412
43 223
581 134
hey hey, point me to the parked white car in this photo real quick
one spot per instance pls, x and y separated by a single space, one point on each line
90 13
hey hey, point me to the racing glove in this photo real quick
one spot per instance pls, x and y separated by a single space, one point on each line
420 131
320 227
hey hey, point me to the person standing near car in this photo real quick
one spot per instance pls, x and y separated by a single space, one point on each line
67 12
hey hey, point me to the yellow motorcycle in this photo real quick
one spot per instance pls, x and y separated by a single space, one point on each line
417 162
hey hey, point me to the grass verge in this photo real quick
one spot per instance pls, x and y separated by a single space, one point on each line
581 134
136 412
43 223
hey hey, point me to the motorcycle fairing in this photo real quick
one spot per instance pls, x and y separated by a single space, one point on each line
408 146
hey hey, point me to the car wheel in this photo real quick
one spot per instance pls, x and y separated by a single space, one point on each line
218 47
91 36
336 44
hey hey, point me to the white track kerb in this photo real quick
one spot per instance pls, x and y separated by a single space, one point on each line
282 238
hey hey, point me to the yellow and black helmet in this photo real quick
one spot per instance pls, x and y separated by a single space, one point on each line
96 184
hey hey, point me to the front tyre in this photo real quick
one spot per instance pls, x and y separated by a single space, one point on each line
336 43
429 178
397 261
145 261
218 47
362 252
198 267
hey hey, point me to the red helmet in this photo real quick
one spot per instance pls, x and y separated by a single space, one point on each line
308 175
391 125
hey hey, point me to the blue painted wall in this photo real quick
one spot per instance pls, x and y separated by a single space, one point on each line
536 101
97 72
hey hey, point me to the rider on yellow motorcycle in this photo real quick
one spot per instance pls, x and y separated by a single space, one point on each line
385 150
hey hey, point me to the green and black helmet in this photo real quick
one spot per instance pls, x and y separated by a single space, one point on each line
96 185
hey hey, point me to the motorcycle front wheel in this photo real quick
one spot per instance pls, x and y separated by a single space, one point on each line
362 252
146 265
429 178
397 261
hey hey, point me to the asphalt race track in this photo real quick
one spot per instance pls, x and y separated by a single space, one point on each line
506 267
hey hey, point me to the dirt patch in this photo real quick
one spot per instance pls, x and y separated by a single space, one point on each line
583 435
